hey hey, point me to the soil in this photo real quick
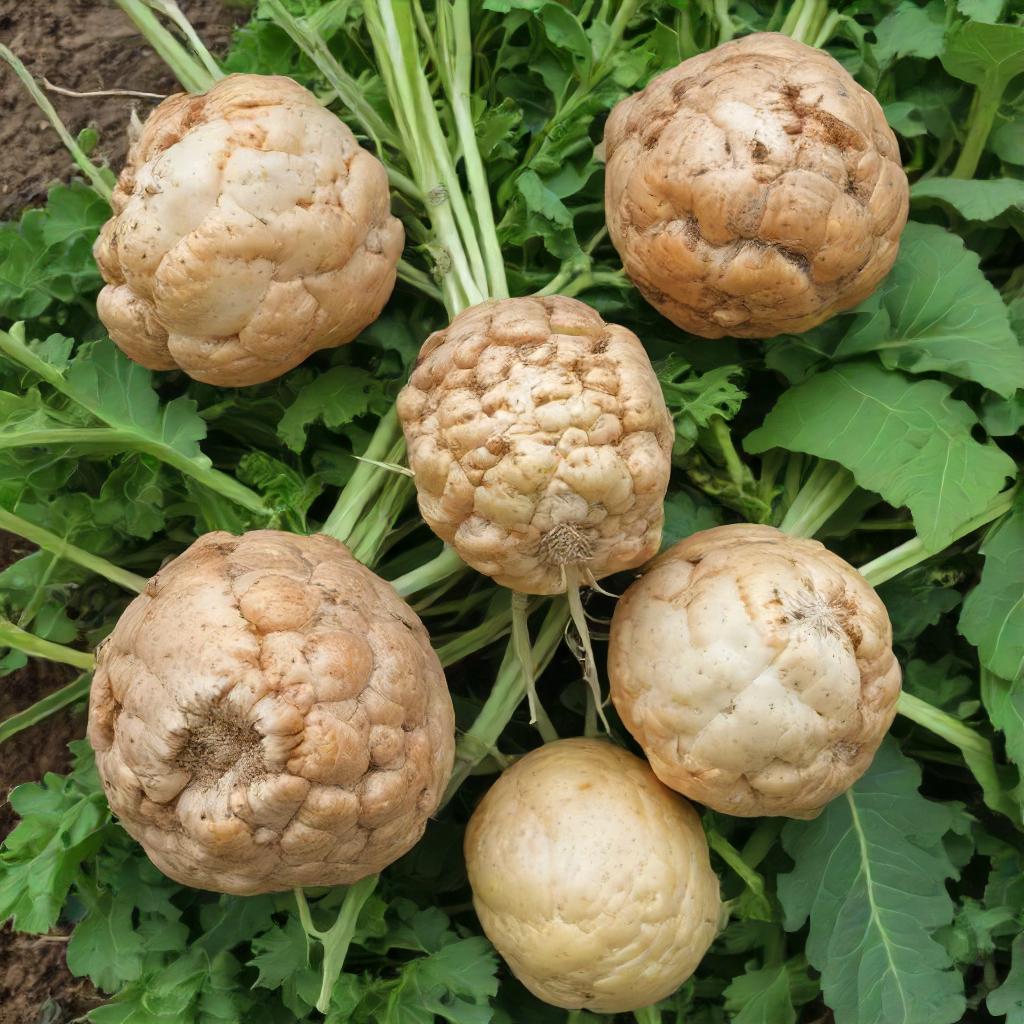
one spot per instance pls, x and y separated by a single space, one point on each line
82 45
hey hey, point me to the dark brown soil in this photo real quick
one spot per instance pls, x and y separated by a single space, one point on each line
81 45
35 984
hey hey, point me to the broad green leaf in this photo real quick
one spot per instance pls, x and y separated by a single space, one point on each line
981 10
915 600
911 31
120 392
334 398
870 877
1007 142
936 311
993 614
1004 702
113 389
231 921
984 54
975 200
909 441
565 31
761 997
905 118
1008 999
1003 417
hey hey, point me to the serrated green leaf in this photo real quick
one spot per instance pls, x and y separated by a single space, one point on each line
870 876
47 258
975 200
546 216
105 945
761 997
694 398
909 441
334 398
455 983
287 492
279 953
993 614
62 824
131 498
973 934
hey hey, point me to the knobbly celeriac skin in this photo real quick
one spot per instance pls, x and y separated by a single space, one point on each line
270 714
591 878
540 442
755 189
755 669
250 229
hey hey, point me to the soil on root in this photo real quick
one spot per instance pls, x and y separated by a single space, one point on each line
83 45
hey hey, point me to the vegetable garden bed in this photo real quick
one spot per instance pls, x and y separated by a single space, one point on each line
203 368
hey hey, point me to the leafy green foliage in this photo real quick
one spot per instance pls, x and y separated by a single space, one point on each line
335 398
905 905
909 441
993 615
1004 700
975 200
1008 999
46 265
869 876
979 52
916 600
62 822
911 323
694 399
761 997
